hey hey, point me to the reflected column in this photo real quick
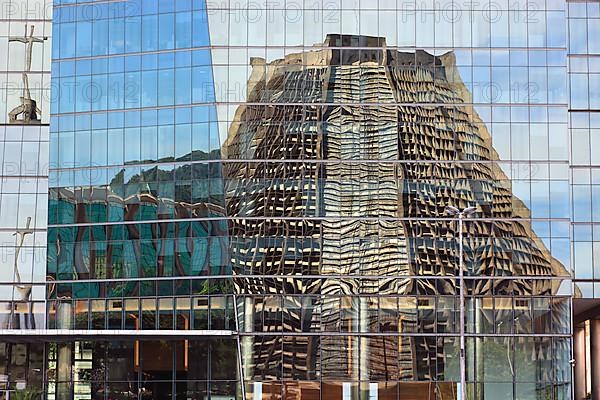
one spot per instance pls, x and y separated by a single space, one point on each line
248 340
579 354
64 318
363 327
474 349
479 343
595 357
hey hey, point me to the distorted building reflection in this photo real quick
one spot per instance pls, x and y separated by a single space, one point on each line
339 168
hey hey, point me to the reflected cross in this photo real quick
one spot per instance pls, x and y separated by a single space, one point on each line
28 41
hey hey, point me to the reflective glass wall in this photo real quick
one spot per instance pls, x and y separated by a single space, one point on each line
347 128
26 42
584 78
584 124
25 45
279 172
138 235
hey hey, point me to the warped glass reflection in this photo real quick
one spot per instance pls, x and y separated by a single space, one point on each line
346 163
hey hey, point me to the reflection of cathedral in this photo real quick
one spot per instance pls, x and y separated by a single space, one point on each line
350 159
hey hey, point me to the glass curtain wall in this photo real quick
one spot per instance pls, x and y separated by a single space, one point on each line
584 101
25 45
281 170
138 238
584 77
347 128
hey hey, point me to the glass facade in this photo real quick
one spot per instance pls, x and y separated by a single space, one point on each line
584 127
26 42
584 76
25 45
248 200
283 173
138 235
